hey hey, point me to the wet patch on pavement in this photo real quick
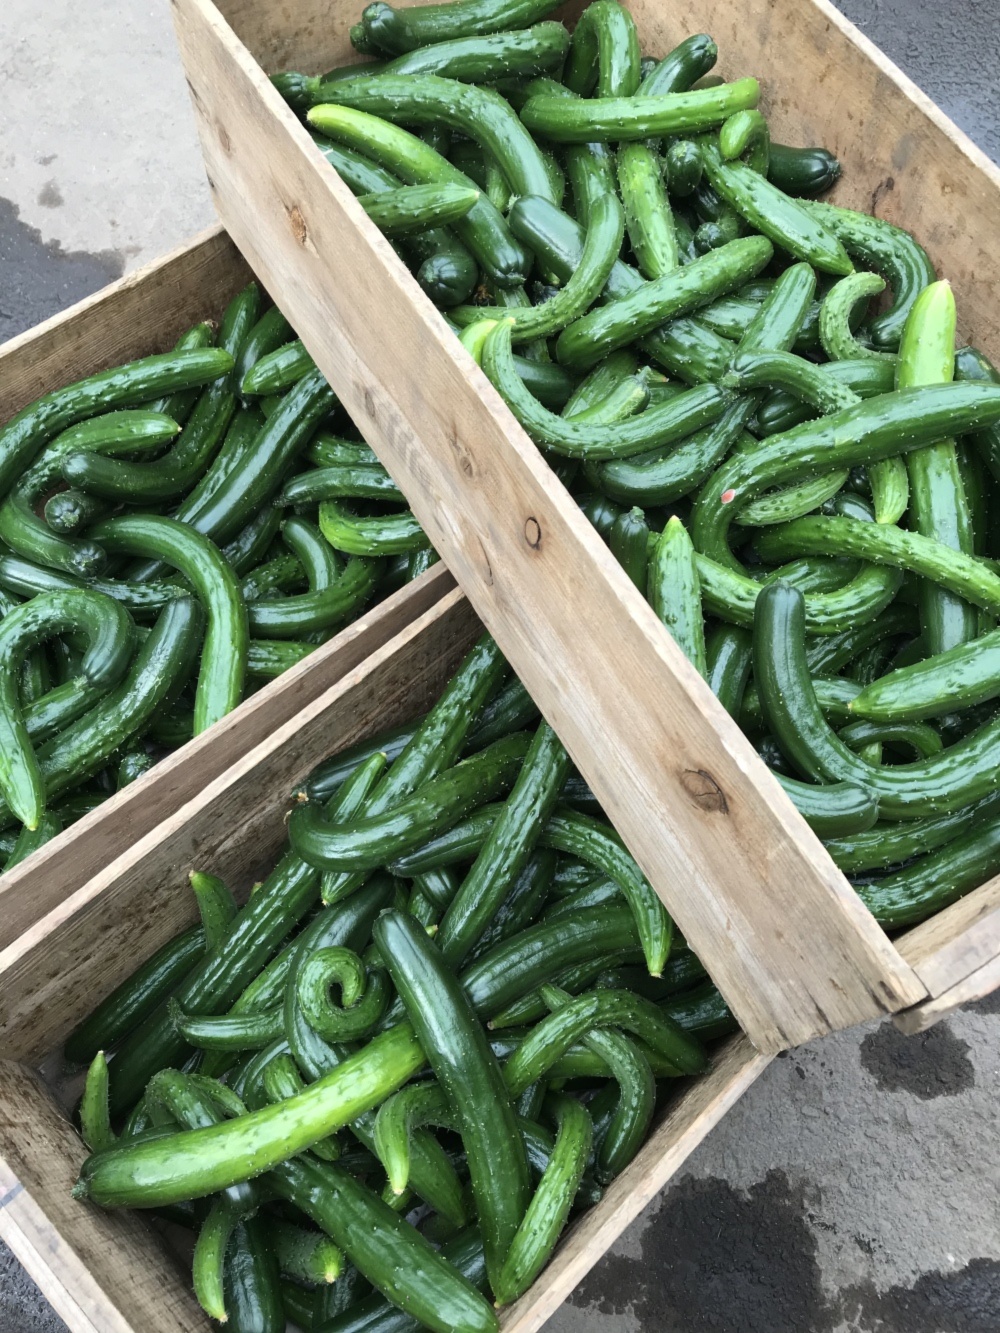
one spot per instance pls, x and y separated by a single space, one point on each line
965 1301
934 1064
39 278
715 1259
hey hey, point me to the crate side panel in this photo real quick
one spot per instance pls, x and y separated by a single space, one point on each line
956 942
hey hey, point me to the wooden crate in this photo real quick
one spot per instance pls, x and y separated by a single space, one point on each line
108 1273
142 314
789 943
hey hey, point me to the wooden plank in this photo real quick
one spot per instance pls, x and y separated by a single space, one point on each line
141 314
695 1113
825 83
66 863
779 928
984 981
65 964
102 1272
956 942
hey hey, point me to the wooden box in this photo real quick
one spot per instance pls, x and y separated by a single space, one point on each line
142 314
789 943
108 1272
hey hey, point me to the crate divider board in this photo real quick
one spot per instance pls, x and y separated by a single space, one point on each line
788 941
137 316
107 1272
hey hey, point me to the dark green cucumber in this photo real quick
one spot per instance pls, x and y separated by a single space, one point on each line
679 292
271 331
605 229
400 30
223 666
132 1001
369 842
483 229
251 1281
523 962
659 425
171 475
384 1247
29 536
262 468
110 647
508 847
277 370
772 213
159 670
456 1046
932 882
888 250
959 775
629 544
548 1211
802 172
26 434
684 347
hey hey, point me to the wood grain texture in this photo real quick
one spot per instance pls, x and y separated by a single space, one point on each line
691 1117
976 986
143 313
66 863
102 1272
778 927
962 939
65 964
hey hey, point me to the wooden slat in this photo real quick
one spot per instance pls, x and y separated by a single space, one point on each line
904 160
102 1272
984 981
141 314
66 863
63 966
959 941
695 1113
777 925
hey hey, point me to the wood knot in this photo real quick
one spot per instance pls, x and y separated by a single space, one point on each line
370 403
704 791
465 459
533 533
225 141
298 224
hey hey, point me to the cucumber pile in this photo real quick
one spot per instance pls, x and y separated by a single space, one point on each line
753 395
378 1091
164 550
